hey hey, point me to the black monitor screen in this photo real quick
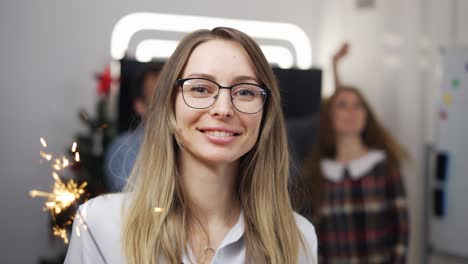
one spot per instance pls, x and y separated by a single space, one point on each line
300 91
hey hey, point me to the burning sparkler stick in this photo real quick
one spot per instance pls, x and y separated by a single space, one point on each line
63 194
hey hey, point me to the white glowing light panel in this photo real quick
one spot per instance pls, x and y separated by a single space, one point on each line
283 56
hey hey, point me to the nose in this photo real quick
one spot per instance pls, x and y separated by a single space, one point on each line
222 107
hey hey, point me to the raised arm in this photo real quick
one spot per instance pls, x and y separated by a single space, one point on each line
337 57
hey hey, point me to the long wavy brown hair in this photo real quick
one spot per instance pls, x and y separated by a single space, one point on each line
310 187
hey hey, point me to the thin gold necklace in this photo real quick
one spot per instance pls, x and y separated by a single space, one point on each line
207 252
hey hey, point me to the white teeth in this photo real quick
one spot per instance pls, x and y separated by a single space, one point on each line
220 133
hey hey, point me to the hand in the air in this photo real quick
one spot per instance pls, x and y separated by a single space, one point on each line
341 53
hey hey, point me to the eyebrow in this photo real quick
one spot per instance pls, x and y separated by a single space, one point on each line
240 78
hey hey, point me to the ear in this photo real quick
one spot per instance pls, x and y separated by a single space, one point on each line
140 107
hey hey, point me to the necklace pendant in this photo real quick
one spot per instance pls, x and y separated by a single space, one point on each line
208 253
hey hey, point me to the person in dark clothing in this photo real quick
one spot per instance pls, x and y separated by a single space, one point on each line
353 188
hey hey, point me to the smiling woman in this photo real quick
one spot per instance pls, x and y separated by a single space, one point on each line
219 133
214 163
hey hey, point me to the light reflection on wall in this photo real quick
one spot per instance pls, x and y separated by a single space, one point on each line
149 49
280 54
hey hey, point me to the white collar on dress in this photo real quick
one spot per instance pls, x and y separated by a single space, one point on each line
334 171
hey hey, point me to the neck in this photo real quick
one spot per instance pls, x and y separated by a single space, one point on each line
211 197
349 147
210 190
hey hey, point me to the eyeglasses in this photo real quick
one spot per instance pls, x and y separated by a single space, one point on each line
201 93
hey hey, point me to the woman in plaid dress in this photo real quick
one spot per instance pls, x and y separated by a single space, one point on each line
354 192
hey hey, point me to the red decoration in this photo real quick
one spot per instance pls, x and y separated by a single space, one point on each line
104 81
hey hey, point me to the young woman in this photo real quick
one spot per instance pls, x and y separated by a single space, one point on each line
354 190
210 181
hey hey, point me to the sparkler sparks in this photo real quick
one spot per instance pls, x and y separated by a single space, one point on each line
60 164
81 223
158 209
43 142
61 232
46 156
73 149
63 194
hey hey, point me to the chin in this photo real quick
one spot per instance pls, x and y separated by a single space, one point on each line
220 159
350 132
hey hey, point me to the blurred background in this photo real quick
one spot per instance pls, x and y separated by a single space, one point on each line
52 51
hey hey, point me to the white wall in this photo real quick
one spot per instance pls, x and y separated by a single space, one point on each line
49 51
394 56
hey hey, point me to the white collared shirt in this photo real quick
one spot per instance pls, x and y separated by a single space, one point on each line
334 171
100 240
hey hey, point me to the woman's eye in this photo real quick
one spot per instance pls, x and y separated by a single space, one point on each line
246 92
199 89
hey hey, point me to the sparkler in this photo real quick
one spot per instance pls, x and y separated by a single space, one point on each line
63 194
61 232
158 209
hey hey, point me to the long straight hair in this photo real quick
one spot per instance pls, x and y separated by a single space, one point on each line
308 200
271 234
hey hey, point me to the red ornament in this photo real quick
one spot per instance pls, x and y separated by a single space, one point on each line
104 81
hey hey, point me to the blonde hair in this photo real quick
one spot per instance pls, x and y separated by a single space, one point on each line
271 234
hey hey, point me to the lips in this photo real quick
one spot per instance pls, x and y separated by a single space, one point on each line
219 132
220 136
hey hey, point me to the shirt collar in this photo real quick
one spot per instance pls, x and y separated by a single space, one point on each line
236 232
334 171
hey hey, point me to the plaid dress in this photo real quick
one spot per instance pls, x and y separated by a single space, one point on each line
364 214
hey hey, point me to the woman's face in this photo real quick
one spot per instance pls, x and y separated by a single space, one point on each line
348 114
219 134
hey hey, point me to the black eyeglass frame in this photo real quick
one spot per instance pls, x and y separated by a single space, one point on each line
266 92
